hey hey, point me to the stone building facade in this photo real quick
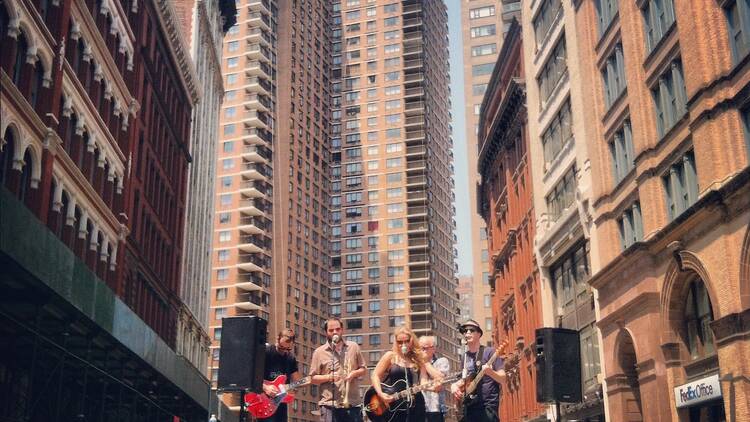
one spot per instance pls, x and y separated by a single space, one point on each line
667 133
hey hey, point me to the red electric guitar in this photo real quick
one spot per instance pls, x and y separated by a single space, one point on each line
262 406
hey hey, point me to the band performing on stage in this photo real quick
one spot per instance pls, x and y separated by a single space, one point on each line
408 384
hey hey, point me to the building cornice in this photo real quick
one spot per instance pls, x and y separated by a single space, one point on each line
179 51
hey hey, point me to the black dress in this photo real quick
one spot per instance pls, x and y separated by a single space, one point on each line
408 410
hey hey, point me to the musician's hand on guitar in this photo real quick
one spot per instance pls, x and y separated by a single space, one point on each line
387 398
270 390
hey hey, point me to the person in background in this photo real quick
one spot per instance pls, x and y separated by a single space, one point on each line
435 407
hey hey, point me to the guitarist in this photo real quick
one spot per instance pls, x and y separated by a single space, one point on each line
484 406
280 361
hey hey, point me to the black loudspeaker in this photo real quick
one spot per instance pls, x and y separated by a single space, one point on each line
242 358
558 365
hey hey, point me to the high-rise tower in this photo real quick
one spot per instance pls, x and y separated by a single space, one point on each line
392 203
271 227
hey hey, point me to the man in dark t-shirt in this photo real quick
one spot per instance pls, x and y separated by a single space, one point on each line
280 361
485 402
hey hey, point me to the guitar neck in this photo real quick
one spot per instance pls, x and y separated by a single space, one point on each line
475 382
417 388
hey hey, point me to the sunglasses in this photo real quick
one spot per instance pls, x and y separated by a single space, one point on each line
284 349
403 341
468 330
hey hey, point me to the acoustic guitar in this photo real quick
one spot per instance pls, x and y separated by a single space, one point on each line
379 411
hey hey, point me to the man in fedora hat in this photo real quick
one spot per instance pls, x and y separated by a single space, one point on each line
483 403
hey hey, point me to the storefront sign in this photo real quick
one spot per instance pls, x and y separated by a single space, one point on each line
704 389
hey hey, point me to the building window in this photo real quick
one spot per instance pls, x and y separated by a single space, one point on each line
482 69
562 195
613 76
483 50
543 20
569 276
621 152
553 71
658 17
681 185
631 226
605 13
478 89
482 31
222 274
738 17
217 335
590 366
670 98
698 317
223 255
487 301
221 313
557 134
233 61
221 294
485 255
482 12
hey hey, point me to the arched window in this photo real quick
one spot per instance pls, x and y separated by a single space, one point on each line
24 191
698 315
37 83
22 48
6 157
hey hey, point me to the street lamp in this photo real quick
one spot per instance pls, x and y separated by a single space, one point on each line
212 418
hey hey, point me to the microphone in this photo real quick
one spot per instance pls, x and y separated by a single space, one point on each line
335 339
404 349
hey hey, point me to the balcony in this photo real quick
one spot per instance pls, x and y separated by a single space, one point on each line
253 207
416 150
256 136
414 121
256 154
413 64
415 49
418 243
415 211
258 52
411 8
258 35
417 227
251 262
412 22
249 282
254 189
414 77
258 68
419 258
256 118
421 325
412 108
258 19
416 165
416 196
259 5
258 102
413 92
420 307
419 291
412 36
419 275
254 244
254 225
416 180
259 86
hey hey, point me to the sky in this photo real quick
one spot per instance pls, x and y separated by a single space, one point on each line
463 228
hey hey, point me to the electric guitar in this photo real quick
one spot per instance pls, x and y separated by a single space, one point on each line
262 406
473 380
379 411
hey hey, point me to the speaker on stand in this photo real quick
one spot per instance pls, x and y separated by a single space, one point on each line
558 366
242 357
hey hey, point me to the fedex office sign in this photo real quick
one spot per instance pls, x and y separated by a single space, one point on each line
704 389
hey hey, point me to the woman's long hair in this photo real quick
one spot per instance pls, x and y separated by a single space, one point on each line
414 353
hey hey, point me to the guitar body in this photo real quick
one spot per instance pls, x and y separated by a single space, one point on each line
398 410
262 406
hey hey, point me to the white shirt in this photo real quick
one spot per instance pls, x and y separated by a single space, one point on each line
435 402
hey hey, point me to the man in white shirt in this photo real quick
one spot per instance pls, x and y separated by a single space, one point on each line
435 407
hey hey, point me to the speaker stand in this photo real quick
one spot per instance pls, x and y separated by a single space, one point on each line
243 411
558 417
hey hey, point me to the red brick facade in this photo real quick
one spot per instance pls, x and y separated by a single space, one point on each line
505 203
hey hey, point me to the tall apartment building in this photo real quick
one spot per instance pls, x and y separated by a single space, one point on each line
565 242
506 204
483 23
204 24
95 111
271 250
667 132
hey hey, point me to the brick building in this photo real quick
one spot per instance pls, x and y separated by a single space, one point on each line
95 115
505 202
667 132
